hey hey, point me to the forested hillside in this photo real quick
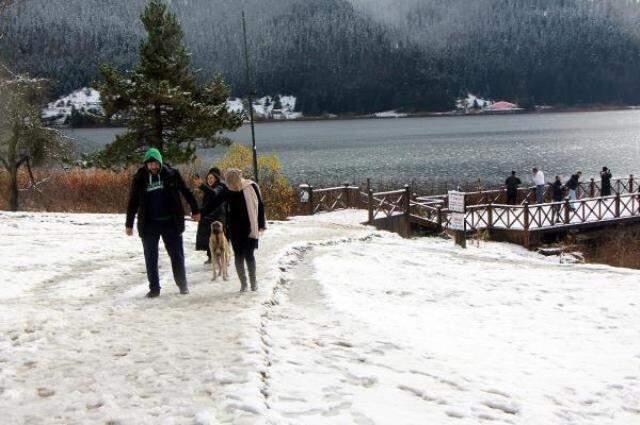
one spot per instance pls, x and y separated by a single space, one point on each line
360 55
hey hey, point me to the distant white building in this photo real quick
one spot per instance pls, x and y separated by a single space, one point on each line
503 106
472 102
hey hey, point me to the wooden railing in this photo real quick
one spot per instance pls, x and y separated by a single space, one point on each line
485 209
330 199
433 213
587 189
389 203
543 216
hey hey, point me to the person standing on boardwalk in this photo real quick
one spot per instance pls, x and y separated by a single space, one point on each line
210 212
605 182
538 181
557 189
512 183
155 199
572 185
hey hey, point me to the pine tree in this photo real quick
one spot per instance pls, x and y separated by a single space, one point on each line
164 106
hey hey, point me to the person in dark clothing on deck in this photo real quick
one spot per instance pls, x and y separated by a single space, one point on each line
605 182
512 183
155 198
572 185
210 212
557 190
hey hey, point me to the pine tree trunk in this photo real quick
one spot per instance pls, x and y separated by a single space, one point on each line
158 118
13 189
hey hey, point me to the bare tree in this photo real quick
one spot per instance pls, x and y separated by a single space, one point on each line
4 4
23 137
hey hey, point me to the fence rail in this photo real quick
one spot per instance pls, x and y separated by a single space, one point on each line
553 214
487 209
586 189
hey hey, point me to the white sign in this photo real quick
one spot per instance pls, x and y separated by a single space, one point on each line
456 201
457 221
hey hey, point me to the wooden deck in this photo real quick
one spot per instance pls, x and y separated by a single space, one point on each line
403 212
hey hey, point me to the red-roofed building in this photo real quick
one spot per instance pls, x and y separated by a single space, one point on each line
503 106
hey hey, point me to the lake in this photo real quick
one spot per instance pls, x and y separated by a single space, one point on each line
455 149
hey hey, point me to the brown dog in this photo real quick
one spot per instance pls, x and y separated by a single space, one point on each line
220 251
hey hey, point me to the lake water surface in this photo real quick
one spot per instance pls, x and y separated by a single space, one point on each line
441 148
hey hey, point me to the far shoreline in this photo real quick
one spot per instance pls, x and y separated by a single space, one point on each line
402 115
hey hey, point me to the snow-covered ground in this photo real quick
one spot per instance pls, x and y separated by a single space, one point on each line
350 326
390 114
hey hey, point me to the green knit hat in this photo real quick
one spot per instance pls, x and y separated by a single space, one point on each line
153 154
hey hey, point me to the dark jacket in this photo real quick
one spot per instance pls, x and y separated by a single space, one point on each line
173 186
605 184
512 184
238 224
573 182
558 191
210 212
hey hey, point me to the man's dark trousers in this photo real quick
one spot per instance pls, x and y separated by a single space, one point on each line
153 231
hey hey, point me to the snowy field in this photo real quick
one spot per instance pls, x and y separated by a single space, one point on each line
350 326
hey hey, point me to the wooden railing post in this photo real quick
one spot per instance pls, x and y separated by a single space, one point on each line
407 200
526 225
439 211
368 185
618 186
592 188
567 208
630 183
370 205
345 195
311 209
490 217
407 211
617 205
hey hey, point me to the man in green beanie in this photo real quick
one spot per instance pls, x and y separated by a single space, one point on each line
155 198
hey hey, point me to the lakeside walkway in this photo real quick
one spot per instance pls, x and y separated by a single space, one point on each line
347 318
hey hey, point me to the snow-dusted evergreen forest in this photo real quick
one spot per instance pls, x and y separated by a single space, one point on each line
358 55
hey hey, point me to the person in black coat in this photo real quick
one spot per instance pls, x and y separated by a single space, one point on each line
605 182
573 184
557 190
245 223
210 211
155 199
512 183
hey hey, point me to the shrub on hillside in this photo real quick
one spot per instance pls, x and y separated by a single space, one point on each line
278 196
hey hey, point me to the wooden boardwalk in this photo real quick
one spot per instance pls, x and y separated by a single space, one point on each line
486 211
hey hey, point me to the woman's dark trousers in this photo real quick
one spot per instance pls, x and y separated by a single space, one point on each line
244 252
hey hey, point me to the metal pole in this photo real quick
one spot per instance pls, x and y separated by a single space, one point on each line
250 96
